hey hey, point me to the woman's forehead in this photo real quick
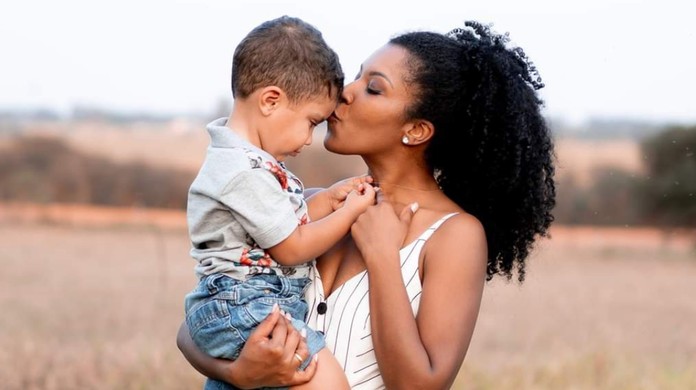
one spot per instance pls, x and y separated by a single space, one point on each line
389 60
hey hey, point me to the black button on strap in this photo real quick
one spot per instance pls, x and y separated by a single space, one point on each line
321 308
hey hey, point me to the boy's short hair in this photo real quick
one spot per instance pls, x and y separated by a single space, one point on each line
289 53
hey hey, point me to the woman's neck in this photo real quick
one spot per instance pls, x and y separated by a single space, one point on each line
404 182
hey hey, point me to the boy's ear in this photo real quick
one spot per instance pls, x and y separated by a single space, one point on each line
418 132
269 99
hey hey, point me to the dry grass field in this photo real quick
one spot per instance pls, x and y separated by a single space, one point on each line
92 298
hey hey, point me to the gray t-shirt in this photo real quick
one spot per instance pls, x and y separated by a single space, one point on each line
242 202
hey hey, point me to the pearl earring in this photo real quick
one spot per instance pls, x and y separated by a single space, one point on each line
404 140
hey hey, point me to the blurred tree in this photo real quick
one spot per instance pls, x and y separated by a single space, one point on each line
670 192
610 199
613 200
571 201
46 170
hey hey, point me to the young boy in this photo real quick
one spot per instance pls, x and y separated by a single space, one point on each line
249 223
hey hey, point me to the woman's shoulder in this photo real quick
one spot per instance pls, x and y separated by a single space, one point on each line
450 221
457 222
457 251
450 217
460 225
459 231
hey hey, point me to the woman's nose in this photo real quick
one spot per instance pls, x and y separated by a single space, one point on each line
347 95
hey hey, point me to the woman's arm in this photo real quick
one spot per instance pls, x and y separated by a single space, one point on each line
220 369
430 346
267 359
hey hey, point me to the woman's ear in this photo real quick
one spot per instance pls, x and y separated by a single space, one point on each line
418 132
269 99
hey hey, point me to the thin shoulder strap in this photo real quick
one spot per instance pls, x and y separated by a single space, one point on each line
429 232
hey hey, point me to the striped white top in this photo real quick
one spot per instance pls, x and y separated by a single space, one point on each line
346 323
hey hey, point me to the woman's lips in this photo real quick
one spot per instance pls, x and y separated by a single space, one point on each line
334 117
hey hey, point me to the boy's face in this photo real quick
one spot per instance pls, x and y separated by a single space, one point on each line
290 127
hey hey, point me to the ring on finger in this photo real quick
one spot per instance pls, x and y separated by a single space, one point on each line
298 357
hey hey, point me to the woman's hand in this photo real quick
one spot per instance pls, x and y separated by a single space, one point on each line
379 230
266 360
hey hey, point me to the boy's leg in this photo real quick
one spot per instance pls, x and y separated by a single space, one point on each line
210 310
329 374
213 384
214 319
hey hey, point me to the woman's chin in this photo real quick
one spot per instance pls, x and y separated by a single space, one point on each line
328 145
334 146
329 142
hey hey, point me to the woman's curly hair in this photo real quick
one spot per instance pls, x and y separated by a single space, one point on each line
492 151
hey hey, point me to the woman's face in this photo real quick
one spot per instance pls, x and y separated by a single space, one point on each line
371 115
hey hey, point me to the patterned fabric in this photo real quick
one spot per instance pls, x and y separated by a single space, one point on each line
255 258
346 322
241 201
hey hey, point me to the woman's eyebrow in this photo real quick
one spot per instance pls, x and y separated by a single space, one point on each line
382 75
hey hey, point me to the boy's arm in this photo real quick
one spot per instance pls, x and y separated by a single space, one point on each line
266 214
309 192
313 239
319 204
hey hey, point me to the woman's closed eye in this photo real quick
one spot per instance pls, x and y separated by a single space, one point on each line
373 88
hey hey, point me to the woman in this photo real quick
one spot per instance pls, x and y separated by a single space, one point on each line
451 131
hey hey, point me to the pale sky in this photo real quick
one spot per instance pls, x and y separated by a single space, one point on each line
598 58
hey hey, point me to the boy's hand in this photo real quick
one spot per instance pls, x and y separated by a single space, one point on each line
339 191
359 200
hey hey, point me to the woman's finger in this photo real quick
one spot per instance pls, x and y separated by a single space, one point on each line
303 376
302 348
290 352
407 213
268 325
280 332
